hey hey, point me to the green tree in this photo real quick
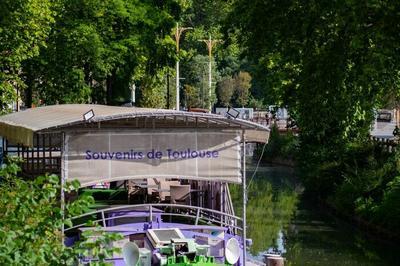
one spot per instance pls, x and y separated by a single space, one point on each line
330 62
24 28
191 96
206 19
225 90
196 75
242 85
98 49
153 91
256 103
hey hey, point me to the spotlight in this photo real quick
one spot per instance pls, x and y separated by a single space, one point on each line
232 112
232 251
88 115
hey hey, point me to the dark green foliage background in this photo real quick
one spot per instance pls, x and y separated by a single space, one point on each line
332 63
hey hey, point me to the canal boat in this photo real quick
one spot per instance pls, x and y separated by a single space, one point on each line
160 177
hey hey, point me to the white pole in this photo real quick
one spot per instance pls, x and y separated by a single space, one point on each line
133 94
210 43
63 166
244 197
209 85
177 85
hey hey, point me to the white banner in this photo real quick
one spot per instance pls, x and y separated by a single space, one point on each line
109 156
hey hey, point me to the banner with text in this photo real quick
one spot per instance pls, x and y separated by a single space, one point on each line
108 156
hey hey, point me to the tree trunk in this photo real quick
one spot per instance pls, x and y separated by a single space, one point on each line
29 91
110 83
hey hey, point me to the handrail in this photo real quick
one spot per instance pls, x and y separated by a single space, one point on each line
133 216
125 207
195 212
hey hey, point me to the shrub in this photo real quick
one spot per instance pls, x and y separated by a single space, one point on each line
31 221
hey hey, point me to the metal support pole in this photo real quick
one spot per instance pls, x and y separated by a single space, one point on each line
209 83
177 86
63 174
133 94
178 33
104 219
151 213
210 44
244 196
197 217
168 93
37 153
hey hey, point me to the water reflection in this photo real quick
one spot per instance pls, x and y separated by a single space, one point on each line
278 218
316 238
271 204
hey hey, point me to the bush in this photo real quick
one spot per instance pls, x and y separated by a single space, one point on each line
387 212
31 221
283 146
367 184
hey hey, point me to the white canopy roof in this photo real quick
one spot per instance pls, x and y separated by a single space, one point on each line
19 127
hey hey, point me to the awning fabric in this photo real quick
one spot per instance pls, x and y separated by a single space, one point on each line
110 156
20 127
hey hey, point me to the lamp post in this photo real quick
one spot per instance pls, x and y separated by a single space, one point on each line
210 44
178 33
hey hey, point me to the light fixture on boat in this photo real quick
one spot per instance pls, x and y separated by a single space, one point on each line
131 254
88 115
232 112
135 256
232 251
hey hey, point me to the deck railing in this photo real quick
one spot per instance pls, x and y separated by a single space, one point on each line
390 145
195 213
229 204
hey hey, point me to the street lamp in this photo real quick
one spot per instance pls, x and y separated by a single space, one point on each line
210 44
178 33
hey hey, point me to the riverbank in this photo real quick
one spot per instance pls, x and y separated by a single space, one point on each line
316 237
369 228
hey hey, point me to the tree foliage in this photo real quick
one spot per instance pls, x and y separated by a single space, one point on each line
82 51
24 28
31 221
196 76
225 91
206 18
92 51
191 95
242 88
104 47
153 91
329 61
235 91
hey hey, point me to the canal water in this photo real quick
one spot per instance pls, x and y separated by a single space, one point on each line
281 220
